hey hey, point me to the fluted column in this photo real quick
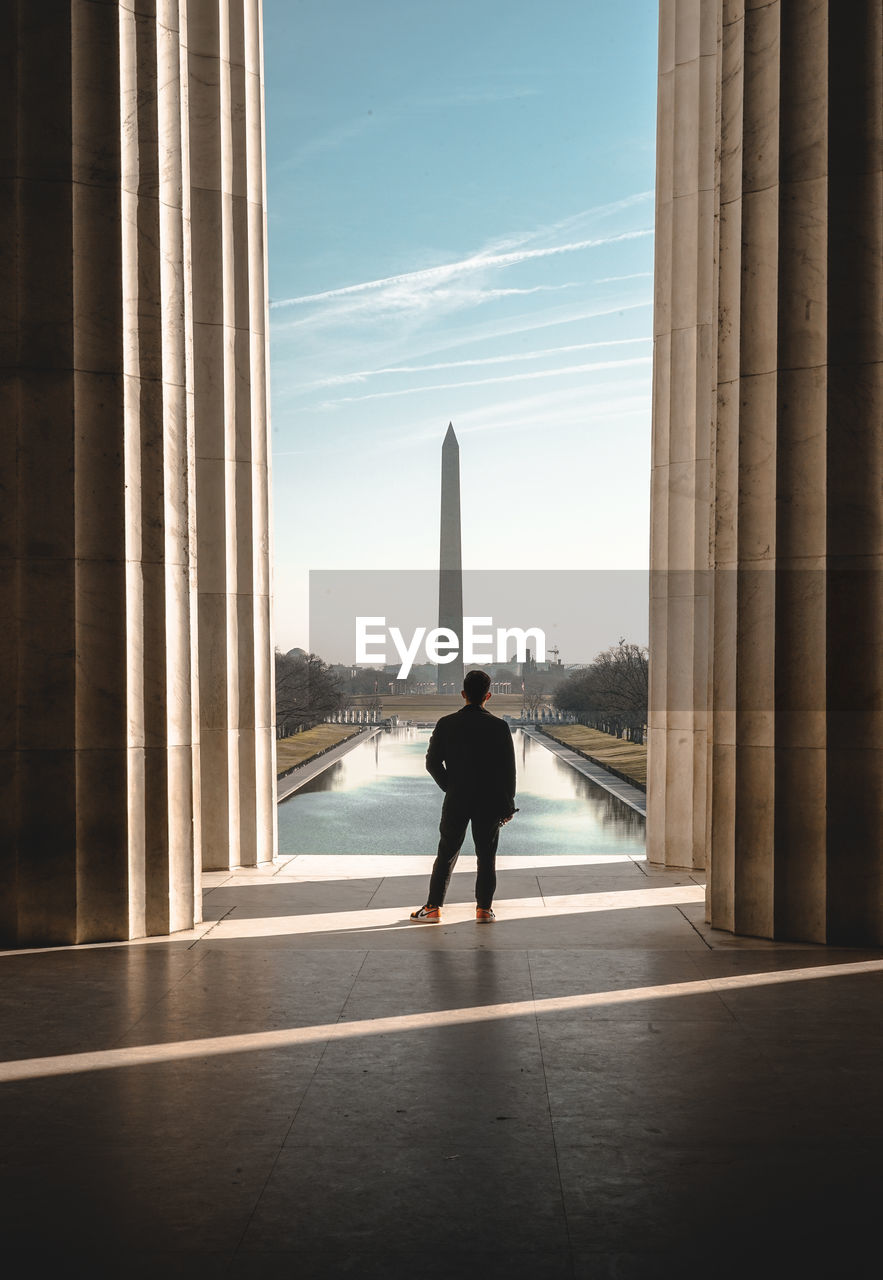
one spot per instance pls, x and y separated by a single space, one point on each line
99 765
683 406
795 791
855 473
109 535
232 456
797 829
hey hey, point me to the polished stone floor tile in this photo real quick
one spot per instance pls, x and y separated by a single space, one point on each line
490 1046
624 984
62 1002
284 898
177 1103
161 1195
671 1197
389 982
720 940
454 1256
516 928
501 1194
105 1261
233 995
562 970
411 891
426 1102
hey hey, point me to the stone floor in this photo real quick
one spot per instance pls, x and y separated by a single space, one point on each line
308 1086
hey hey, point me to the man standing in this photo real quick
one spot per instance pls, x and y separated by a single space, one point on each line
472 759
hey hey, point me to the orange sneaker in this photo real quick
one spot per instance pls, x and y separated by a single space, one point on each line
427 915
484 913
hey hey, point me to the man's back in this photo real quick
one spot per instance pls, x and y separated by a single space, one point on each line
472 759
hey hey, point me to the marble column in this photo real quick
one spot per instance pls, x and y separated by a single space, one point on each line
100 830
854 456
230 335
685 340
794 795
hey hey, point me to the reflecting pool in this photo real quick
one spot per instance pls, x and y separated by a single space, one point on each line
379 799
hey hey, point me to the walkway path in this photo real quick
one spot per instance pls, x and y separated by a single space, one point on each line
291 782
634 797
596 1086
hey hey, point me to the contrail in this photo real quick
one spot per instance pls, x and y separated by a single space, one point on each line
361 375
482 382
635 275
478 262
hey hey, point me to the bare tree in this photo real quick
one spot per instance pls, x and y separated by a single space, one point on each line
611 694
306 691
622 679
368 680
534 689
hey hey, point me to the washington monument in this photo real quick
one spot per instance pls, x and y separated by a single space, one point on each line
450 569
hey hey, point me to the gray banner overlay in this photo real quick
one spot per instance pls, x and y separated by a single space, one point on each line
380 618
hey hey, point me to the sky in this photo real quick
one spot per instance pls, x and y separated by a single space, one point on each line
460 218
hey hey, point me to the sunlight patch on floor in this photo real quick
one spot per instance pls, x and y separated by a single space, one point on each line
524 908
252 1042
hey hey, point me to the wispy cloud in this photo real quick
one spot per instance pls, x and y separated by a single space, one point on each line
530 324
364 374
483 382
433 276
330 140
489 294
579 405
566 226
634 275
598 211
491 331
287 385
584 403
407 302
544 416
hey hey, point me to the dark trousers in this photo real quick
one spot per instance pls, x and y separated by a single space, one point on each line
455 818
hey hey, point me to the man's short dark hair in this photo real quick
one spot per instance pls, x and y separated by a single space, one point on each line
476 685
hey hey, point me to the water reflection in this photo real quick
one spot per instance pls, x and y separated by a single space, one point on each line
379 799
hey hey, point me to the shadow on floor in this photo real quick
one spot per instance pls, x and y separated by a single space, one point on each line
330 1104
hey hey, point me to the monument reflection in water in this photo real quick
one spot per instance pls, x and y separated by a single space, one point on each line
380 799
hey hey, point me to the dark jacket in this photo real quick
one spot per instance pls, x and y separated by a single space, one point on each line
472 759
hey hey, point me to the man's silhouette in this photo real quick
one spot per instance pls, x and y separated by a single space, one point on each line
472 759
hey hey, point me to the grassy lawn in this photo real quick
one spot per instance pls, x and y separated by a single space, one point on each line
629 758
303 746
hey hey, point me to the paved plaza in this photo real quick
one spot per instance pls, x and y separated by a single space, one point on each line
308 1086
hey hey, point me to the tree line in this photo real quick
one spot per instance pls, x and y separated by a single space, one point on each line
307 691
611 693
